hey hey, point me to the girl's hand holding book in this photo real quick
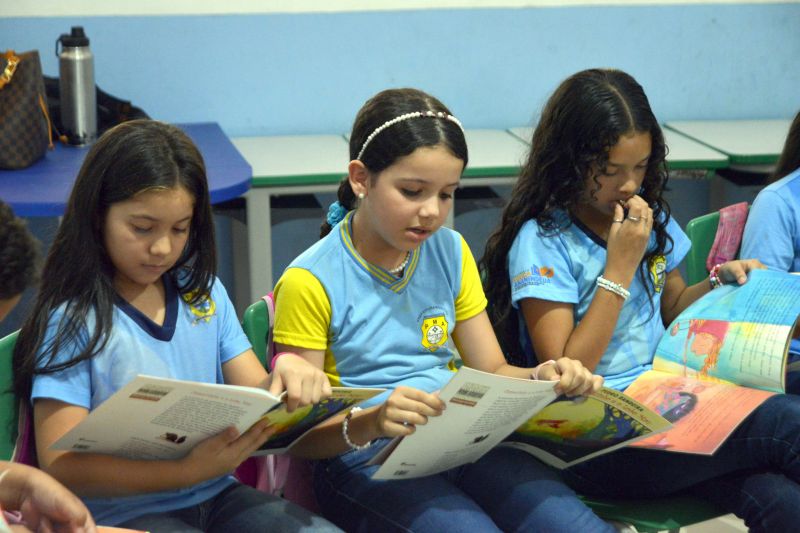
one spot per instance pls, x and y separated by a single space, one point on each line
574 379
303 382
222 453
736 271
405 409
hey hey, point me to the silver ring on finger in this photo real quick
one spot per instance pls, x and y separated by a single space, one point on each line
617 221
634 219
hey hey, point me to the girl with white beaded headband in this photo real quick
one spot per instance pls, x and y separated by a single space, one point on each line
375 302
570 271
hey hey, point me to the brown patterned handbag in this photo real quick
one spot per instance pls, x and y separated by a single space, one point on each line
24 123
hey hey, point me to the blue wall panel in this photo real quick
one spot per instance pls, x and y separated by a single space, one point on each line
308 73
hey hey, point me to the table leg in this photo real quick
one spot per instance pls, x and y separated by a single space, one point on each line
259 242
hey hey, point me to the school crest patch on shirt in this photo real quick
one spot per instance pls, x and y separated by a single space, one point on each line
535 275
202 310
434 332
658 271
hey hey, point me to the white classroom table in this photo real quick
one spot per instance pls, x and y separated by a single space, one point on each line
301 164
684 153
747 143
495 157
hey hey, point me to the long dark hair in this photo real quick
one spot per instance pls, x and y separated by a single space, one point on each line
133 157
19 254
580 123
790 157
400 139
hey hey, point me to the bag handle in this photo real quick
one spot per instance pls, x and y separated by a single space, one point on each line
11 67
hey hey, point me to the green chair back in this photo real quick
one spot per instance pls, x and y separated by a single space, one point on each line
701 231
257 327
8 407
653 515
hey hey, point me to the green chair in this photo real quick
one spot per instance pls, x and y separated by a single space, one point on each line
654 515
257 325
701 231
8 407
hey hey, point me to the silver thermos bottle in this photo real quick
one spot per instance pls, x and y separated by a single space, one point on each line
76 84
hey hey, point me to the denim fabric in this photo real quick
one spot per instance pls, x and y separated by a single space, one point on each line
505 490
239 509
754 474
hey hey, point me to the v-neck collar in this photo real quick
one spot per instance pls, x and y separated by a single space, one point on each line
588 231
160 332
387 279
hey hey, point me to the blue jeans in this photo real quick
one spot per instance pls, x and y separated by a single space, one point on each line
238 508
505 490
754 474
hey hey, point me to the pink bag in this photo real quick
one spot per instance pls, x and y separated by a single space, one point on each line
729 234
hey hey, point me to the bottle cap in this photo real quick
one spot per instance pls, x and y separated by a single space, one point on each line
75 38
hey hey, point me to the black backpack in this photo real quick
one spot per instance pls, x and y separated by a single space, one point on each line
110 109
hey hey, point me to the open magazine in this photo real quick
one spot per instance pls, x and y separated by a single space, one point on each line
160 418
482 410
719 360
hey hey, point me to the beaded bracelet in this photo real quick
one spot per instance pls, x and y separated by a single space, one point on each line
616 288
713 276
345 431
535 373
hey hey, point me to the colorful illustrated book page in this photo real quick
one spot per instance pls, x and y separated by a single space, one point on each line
719 360
571 430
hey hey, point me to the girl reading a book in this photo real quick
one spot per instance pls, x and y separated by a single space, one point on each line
379 301
129 288
588 206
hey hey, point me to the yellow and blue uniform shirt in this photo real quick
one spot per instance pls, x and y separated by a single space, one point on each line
378 330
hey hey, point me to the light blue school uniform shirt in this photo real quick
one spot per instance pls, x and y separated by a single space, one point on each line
563 266
772 233
192 344
378 330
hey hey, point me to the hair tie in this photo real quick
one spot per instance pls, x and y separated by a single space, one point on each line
336 212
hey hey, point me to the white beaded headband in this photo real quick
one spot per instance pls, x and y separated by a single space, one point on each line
401 118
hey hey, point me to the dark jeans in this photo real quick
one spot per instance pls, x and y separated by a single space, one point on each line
237 509
505 490
754 474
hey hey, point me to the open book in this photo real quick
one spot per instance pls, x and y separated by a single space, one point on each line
483 409
719 360
159 418
569 431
